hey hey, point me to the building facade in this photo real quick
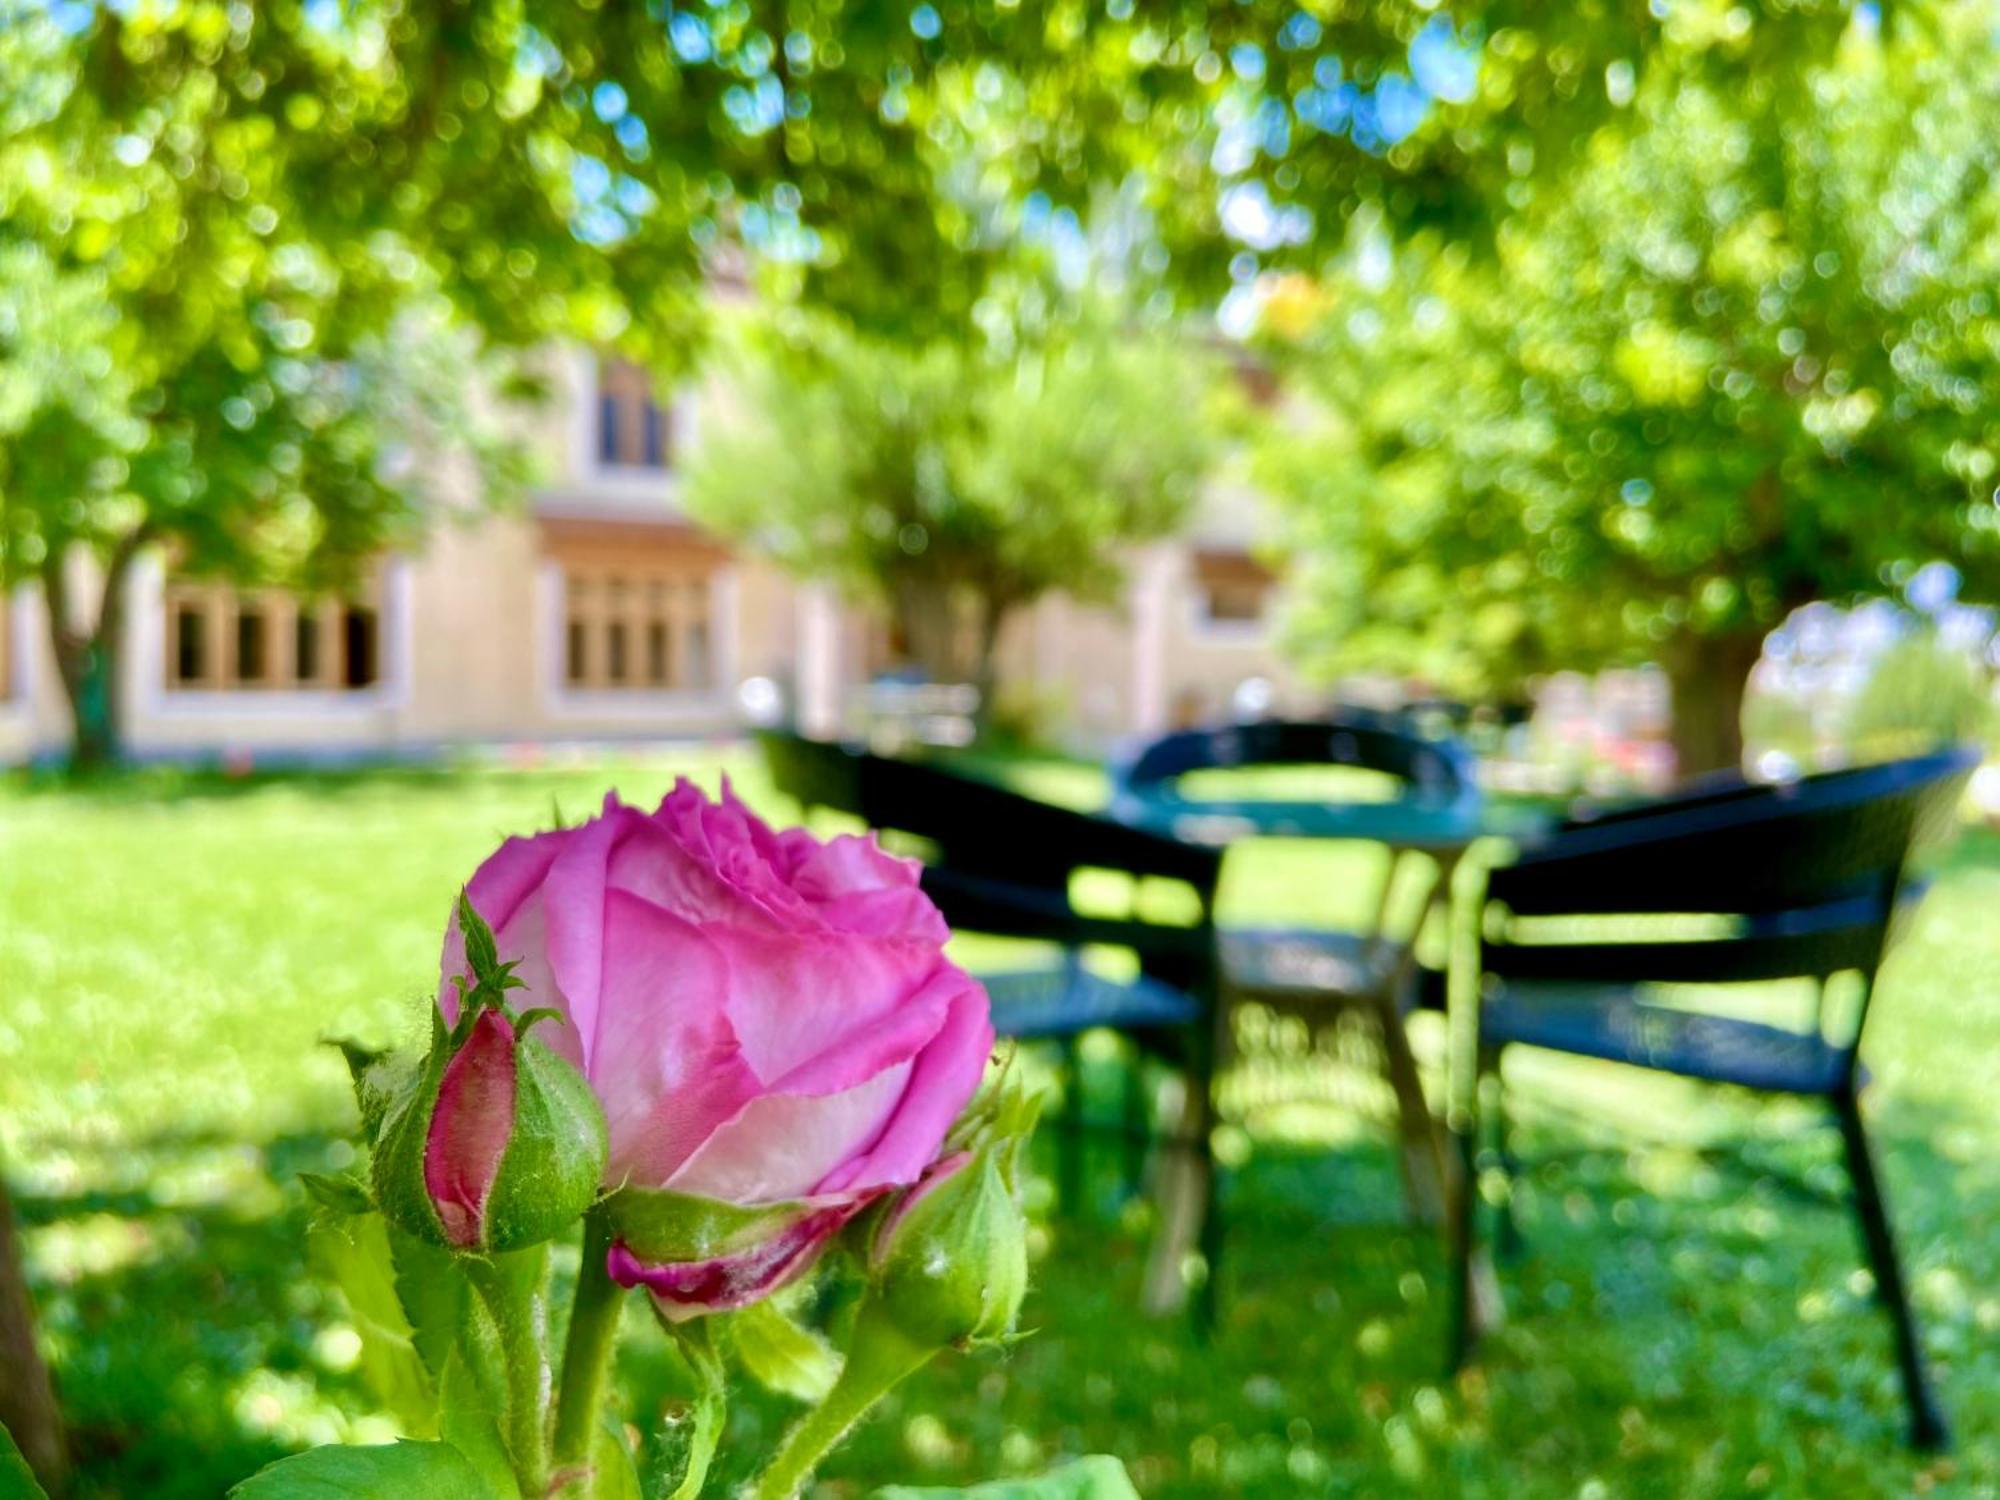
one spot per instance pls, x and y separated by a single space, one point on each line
599 612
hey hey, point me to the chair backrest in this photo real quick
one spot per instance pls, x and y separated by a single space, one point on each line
1001 861
1433 770
1800 879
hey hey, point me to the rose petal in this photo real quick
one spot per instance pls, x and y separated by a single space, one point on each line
943 1079
664 1062
573 911
780 1146
470 1128
796 995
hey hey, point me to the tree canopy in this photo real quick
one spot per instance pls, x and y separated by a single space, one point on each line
950 484
238 209
1743 355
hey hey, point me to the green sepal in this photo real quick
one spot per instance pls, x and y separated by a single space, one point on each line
555 1157
398 1168
390 1471
664 1227
782 1353
378 1078
342 1197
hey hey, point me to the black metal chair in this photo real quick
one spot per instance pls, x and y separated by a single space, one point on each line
1000 863
1320 974
1806 880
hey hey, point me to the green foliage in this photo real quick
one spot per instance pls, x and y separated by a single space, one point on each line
17 1481
947 484
1921 694
436 1471
1739 354
1095 1478
356 1255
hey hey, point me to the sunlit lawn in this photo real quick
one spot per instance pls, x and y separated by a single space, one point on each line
171 952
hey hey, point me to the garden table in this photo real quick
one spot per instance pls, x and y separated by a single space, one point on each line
1447 829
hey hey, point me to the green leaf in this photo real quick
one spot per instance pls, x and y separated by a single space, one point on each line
392 1471
17 1480
469 1420
782 1353
355 1255
615 1476
434 1296
1095 1478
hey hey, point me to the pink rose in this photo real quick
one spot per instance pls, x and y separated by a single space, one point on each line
768 1020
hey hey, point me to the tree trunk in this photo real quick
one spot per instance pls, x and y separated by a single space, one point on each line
89 662
27 1400
1709 674
985 666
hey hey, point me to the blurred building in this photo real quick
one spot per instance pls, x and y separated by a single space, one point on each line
600 612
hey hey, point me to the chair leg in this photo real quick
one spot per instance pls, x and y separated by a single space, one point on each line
1928 1430
1508 1243
1461 1237
1419 1152
1137 1122
1190 1215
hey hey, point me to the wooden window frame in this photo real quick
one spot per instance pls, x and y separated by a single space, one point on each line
221 608
642 583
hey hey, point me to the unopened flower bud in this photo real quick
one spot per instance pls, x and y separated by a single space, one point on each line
495 1143
949 1262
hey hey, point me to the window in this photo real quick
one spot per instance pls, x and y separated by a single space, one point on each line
250 663
1231 588
633 430
361 669
190 645
305 646
636 632
221 639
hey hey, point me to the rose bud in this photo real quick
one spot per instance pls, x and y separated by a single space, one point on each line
497 1143
769 1021
948 1260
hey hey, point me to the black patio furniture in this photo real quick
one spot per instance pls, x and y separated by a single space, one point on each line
1001 864
1733 882
1318 974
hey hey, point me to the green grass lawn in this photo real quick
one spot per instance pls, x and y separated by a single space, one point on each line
172 950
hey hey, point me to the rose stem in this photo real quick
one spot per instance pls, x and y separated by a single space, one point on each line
593 1331
520 1313
877 1360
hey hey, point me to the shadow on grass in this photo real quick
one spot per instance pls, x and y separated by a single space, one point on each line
189 1337
1675 1330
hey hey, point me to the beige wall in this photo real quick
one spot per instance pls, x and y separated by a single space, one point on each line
472 636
